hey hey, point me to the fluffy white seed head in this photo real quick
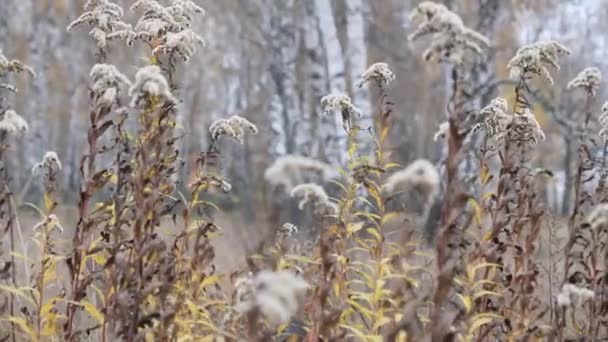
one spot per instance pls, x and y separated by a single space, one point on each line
104 17
339 103
379 73
421 175
290 170
106 82
167 29
525 129
588 79
494 118
48 169
235 127
315 196
150 82
184 43
13 66
450 37
274 294
533 59
12 123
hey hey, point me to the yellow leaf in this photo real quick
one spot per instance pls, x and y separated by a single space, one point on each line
352 228
210 280
466 301
389 216
484 318
49 203
485 293
19 292
484 176
478 211
91 310
23 325
358 333
375 233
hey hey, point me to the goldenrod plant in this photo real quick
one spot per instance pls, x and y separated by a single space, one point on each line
371 248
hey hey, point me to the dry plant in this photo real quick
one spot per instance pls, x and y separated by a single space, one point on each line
141 260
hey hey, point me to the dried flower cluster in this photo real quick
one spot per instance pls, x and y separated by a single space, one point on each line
421 175
12 123
341 104
379 73
524 129
47 170
274 294
183 43
13 66
291 170
234 127
166 29
451 38
105 18
150 83
494 118
531 60
106 83
588 79
315 195
573 295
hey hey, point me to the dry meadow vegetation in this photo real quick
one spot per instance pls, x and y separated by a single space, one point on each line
393 252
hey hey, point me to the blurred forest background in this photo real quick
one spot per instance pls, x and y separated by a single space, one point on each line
272 60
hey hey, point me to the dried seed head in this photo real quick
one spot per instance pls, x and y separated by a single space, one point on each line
106 83
379 73
338 103
341 104
531 60
274 294
313 194
12 123
421 175
150 83
160 24
524 129
451 38
234 127
184 43
494 118
13 66
50 164
290 170
588 79
105 18
47 170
